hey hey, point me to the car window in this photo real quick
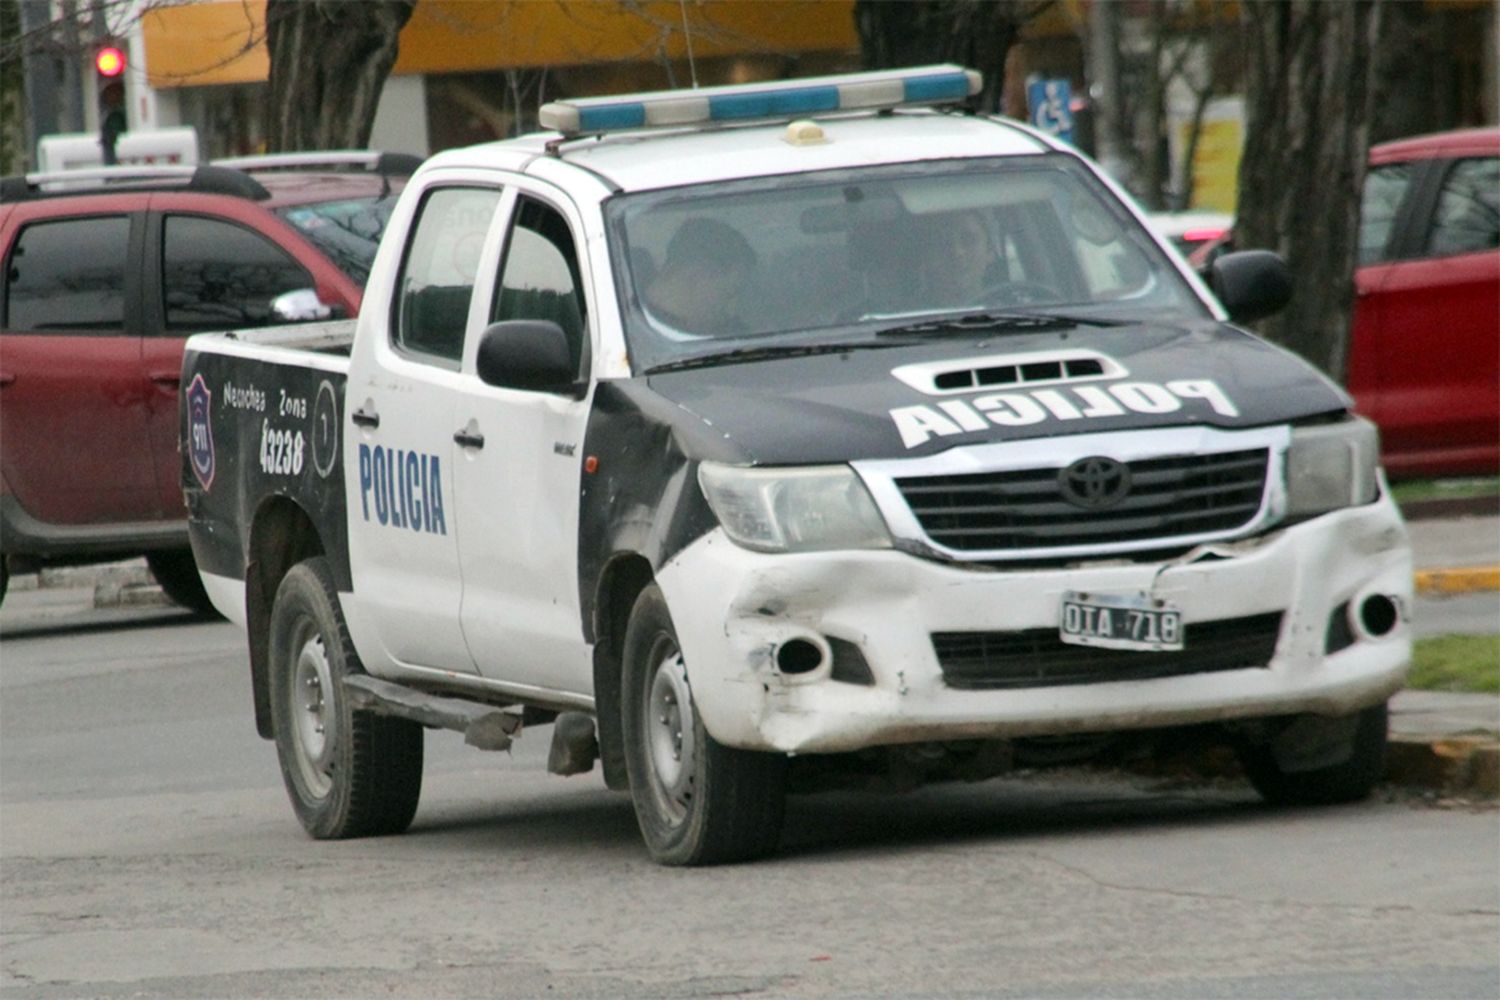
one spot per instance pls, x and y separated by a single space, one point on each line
851 251
437 276
217 275
1468 209
68 274
348 231
539 279
1385 189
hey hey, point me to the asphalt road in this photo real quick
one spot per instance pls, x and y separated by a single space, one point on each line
147 848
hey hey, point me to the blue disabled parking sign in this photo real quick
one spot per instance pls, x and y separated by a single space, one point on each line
1048 103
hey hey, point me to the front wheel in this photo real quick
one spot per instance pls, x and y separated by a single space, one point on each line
348 773
1355 745
697 801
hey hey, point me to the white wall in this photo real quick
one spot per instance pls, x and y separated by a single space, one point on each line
401 119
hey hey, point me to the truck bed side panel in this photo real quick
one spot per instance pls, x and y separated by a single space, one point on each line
255 432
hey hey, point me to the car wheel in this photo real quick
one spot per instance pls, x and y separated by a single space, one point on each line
178 575
1347 780
697 801
348 773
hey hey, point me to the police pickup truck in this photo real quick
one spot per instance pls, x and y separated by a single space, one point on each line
781 436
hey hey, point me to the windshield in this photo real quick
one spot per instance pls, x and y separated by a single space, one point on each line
718 268
347 231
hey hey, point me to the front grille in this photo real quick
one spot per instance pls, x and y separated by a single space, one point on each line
1038 658
1025 509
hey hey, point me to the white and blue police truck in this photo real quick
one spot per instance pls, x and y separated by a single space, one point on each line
780 436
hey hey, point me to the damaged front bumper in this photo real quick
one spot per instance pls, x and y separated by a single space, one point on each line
838 651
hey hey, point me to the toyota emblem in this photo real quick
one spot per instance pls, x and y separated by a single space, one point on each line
1095 482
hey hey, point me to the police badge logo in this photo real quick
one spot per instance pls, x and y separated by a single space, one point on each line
200 431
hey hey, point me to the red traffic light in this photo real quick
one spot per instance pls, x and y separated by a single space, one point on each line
109 61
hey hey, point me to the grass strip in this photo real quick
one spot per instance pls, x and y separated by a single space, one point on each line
1445 489
1456 663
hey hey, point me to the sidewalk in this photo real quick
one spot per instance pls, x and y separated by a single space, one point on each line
1456 555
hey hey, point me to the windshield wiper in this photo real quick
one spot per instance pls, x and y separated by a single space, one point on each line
765 352
993 322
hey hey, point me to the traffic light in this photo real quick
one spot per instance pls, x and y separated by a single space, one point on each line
109 80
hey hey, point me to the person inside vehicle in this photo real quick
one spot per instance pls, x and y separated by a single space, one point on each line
955 270
697 292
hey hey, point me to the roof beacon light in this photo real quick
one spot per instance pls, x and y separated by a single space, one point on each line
782 99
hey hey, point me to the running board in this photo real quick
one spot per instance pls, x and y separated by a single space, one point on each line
483 726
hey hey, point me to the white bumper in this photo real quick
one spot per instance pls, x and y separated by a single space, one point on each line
734 608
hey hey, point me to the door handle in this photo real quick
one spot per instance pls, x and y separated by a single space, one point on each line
166 378
469 438
365 418
6 378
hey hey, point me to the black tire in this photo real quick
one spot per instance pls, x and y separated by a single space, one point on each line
697 801
178 575
348 773
4 576
1348 781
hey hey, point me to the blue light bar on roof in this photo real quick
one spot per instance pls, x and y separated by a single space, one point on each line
784 99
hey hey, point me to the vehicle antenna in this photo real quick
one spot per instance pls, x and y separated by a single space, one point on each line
687 33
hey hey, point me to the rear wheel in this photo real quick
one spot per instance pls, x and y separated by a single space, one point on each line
348 773
178 575
697 801
1270 765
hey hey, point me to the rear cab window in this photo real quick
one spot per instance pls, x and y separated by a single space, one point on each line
437 275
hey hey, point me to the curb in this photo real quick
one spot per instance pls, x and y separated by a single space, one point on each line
1450 765
1457 580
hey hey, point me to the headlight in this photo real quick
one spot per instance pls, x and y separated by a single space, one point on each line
793 509
1331 466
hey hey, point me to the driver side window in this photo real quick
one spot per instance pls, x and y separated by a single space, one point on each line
540 278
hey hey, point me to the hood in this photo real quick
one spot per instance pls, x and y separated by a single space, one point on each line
920 399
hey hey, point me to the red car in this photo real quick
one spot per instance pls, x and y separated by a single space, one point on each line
106 273
1424 351
1424 358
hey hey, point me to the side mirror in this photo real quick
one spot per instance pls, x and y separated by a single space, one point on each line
529 354
300 306
1251 283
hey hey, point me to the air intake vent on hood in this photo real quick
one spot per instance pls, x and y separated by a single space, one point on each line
938 378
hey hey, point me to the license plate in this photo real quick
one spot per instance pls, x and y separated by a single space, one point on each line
1119 621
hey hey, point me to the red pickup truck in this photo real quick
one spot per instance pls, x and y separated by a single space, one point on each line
106 273
1424 350
1424 356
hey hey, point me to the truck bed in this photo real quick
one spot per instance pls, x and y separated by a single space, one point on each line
261 425
331 339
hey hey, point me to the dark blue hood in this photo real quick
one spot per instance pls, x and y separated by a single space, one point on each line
850 406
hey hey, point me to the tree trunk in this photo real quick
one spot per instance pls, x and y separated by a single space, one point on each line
13 144
1307 113
977 34
329 62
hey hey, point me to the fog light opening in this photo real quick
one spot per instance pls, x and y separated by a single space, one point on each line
799 656
1378 615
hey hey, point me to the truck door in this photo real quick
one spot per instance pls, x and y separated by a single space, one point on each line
203 272
518 476
404 383
73 395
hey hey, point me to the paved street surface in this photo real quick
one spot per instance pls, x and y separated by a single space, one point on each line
147 848
1456 542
